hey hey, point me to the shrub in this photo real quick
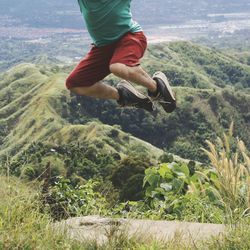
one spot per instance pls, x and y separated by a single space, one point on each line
176 191
63 200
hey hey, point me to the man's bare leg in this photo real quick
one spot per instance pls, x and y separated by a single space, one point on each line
104 91
123 94
98 90
134 74
160 91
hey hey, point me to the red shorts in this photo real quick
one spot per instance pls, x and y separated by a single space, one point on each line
95 66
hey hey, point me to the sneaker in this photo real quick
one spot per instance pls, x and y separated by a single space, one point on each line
164 95
130 97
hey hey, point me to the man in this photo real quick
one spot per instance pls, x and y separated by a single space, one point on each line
118 45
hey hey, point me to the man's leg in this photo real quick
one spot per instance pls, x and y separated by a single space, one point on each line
103 91
134 74
158 88
98 90
124 94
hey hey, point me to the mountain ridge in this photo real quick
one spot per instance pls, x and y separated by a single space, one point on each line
38 105
37 115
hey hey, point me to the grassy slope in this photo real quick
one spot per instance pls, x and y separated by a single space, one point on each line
22 230
36 110
34 102
187 64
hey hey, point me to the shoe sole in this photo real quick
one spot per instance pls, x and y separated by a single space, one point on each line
162 76
132 89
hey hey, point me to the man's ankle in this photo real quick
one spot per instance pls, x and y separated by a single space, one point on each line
154 91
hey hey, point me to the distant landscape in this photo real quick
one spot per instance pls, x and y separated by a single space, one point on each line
56 28
65 14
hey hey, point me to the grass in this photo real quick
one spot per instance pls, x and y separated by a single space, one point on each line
231 161
22 226
236 238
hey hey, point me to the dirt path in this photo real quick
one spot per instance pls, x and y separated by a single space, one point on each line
100 229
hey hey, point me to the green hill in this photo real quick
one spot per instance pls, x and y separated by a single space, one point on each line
208 100
187 64
212 90
36 109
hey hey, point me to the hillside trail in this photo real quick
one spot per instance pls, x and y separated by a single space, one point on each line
100 229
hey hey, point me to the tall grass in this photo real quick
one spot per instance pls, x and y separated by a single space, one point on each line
235 239
22 226
231 161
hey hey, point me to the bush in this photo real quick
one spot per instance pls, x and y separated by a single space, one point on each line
218 194
128 176
63 200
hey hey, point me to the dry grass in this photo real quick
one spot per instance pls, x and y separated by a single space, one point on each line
231 161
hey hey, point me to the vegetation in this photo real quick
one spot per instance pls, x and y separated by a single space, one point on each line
64 201
171 190
232 167
174 190
219 194
22 225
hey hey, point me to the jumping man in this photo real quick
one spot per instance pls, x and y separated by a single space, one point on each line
118 45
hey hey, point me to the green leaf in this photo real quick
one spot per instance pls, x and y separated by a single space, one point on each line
181 170
149 191
177 185
195 178
153 180
166 186
148 175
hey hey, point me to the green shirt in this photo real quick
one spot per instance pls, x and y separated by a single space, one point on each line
108 20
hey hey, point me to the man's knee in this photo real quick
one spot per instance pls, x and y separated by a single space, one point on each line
117 68
76 90
70 82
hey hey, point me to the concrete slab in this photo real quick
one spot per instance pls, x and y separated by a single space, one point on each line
99 229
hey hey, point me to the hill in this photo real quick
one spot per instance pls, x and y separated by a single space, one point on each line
34 107
212 89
